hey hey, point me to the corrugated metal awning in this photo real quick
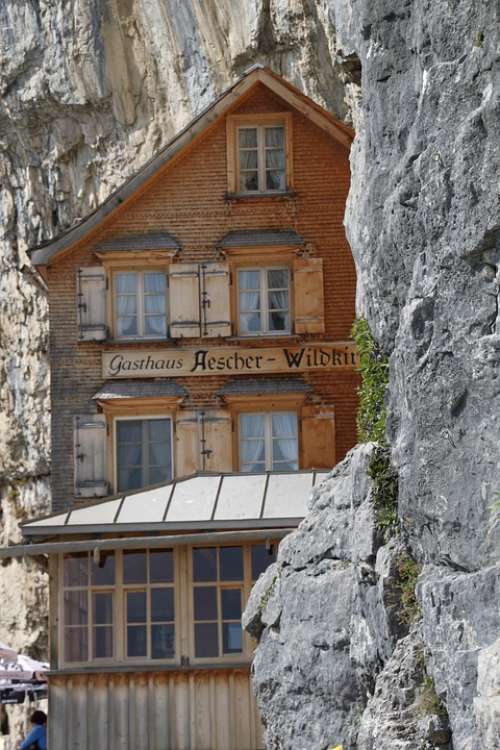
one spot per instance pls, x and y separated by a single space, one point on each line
264 386
115 389
255 237
203 501
135 242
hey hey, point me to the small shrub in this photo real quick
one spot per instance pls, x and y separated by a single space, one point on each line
374 370
409 571
385 490
429 702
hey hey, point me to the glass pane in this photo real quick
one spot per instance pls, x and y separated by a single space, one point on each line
248 160
247 137
154 305
205 564
126 283
162 605
155 283
253 468
161 566
159 474
250 323
136 606
206 640
231 604
231 563
126 306
205 602
155 326
104 573
127 327
159 454
275 159
134 567
284 425
137 640
275 137
103 643
275 180
249 301
278 300
130 454
285 450
159 431
129 431
277 278
163 642
129 479
261 559
76 644
76 569
103 609
278 321
232 638
252 425
253 451
75 607
249 279
249 181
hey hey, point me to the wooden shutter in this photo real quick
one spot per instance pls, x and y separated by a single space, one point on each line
318 437
309 306
90 438
187 444
184 292
217 428
91 300
215 301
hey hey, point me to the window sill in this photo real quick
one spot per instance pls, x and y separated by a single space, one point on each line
254 196
258 337
148 667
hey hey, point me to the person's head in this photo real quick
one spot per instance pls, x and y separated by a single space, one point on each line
38 718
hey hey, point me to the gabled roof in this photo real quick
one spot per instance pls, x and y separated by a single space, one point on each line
45 253
203 501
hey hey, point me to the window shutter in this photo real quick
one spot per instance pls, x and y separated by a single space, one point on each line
184 292
187 444
90 439
91 300
217 428
318 437
215 302
308 295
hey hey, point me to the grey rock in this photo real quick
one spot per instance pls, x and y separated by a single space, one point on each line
461 626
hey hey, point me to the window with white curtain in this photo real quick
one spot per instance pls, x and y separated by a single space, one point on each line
140 299
269 442
264 301
261 158
143 452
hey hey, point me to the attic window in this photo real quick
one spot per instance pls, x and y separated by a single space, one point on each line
259 154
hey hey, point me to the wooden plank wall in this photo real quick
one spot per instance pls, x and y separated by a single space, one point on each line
154 711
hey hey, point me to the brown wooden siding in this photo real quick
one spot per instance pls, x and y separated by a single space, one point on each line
197 710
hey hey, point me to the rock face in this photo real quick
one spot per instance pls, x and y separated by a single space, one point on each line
424 225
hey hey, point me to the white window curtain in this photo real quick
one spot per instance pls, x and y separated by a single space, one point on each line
264 300
269 442
140 304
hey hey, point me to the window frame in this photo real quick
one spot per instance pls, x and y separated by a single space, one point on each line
264 297
236 122
140 417
268 437
140 295
183 586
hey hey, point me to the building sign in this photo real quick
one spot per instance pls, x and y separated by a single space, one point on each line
161 363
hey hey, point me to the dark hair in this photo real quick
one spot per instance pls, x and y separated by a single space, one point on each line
38 717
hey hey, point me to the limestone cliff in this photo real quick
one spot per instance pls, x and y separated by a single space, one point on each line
89 90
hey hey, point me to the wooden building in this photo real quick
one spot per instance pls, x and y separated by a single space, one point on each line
203 381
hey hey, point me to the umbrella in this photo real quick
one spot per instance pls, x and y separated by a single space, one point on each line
20 672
